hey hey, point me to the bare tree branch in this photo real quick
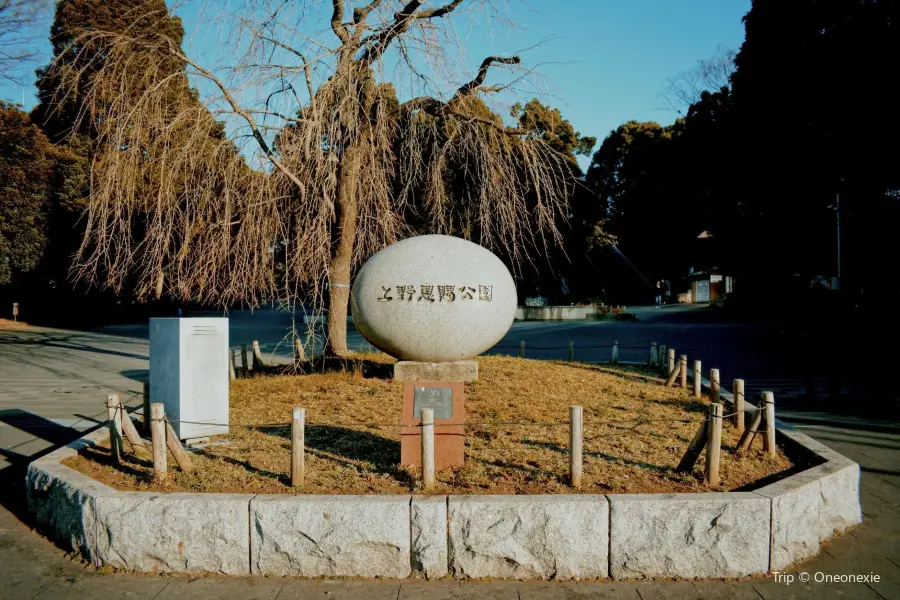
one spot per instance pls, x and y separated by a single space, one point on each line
473 85
337 18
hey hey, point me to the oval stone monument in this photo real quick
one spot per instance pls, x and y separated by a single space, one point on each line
433 298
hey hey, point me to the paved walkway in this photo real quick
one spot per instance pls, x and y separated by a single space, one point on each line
53 383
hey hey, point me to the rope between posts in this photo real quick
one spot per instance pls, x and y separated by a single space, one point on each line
400 426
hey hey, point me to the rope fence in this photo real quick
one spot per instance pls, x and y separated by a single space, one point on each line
664 360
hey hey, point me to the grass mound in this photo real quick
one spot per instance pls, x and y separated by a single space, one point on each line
635 432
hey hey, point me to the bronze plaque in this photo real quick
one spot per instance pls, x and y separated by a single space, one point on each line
439 399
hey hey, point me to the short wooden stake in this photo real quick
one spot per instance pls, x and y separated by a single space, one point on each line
231 359
571 351
670 361
158 438
522 349
299 352
128 428
174 444
769 407
738 391
614 359
244 358
698 374
694 449
258 364
428 448
714 444
683 371
662 359
145 426
747 436
673 375
714 387
576 436
298 452
653 359
115 427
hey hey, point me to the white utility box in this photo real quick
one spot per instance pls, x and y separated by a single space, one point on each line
189 373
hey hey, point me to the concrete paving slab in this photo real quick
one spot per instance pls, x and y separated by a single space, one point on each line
235 588
673 590
97 586
777 590
294 589
722 590
579 591
430 590
490 590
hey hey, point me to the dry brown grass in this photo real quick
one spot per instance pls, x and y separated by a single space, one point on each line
635 432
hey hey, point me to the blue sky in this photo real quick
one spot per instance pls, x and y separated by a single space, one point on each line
604 61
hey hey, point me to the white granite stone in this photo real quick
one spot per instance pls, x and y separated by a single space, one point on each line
436 324
330 536
62 501
174 532
529 537
688 535
428 525
810 507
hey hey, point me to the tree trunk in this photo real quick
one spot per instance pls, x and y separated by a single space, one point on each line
342 259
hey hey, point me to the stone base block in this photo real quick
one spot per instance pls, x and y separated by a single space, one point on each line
449 450
529 537
457 370
688 535
330 536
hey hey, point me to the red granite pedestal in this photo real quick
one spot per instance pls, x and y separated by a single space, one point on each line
449 429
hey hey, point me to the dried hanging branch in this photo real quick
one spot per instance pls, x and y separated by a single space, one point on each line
335 175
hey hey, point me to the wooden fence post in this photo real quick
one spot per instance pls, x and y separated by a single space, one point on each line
244 358
428 448
653 359
115 427
694 449
181 457
714 443
158 437
522 349
231 359
670 361
769 407
750 432
571 351
698 374
298 453
128 428
614 360
576 435
145 426
258 364
738 391
714 387
662 359
683 371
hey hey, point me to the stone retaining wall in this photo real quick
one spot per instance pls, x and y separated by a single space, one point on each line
565 536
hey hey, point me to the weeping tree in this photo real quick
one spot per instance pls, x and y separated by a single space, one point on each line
331 166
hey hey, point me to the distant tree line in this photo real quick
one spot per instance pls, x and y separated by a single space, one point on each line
766 140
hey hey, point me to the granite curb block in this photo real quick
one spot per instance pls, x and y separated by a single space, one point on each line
529 537
330 536
567 536
428 535
174 532
689 535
